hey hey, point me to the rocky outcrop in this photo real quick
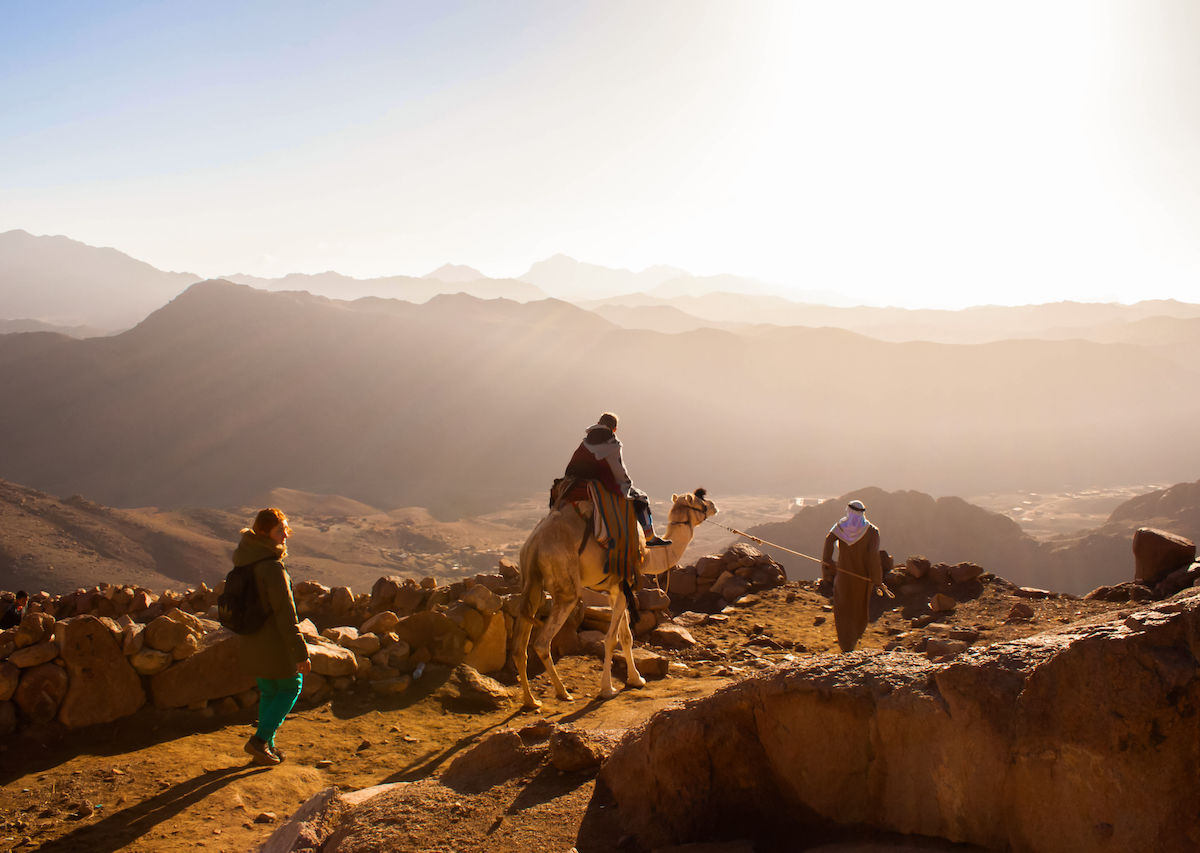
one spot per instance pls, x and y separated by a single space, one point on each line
1158 553
1024 745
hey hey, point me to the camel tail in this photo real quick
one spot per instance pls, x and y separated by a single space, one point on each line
630 602
532 587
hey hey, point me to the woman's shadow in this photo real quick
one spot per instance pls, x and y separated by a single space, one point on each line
128 825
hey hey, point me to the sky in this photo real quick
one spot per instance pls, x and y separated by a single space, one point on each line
922 154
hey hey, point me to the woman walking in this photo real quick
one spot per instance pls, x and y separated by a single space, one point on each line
275 653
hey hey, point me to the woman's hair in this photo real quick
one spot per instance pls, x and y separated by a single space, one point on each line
608 419
267 519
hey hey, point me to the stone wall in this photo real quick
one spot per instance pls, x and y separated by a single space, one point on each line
95 655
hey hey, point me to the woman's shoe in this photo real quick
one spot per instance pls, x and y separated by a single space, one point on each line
260 753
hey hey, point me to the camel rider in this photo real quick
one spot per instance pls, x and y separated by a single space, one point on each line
598 457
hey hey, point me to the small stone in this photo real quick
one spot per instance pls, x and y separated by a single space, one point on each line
324 764
366 744
265 817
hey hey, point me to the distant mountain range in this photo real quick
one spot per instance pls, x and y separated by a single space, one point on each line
79 289
462 404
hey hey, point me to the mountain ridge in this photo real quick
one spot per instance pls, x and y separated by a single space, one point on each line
463 404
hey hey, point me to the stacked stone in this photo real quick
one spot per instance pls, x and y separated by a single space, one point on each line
717 580
936 581
73 671
86 668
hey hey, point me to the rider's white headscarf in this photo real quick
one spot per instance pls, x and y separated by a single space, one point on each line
853 524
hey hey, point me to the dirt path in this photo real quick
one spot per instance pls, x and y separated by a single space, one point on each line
169 781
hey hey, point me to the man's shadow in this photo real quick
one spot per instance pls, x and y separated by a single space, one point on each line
128 825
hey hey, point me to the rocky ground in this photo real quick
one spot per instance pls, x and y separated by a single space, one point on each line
172 781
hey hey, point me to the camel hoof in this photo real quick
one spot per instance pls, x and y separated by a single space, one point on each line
641 682
531 704
608 694
566 696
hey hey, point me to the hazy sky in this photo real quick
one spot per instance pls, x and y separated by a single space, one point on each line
911 153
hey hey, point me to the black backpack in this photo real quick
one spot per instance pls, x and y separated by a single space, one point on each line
239 607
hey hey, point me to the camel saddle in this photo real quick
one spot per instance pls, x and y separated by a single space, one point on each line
614 523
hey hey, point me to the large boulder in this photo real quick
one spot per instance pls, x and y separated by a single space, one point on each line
1157 553
41 690
165 633
103 686
150 661
1024 745
467 689
330 659
482 599
211 673
490 651
35 655
436 632
380 623
34 628
9 676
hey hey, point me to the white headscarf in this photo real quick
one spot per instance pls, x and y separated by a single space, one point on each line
853 524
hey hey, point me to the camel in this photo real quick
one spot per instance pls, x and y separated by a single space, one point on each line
552 562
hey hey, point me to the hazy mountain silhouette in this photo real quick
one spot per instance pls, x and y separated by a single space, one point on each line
660 318
9 327
461 404
566 278
64 282
1099 322
455 273
337 286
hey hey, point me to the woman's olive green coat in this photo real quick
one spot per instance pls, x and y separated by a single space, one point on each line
275 649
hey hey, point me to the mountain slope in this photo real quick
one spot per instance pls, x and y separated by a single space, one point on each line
61 281
463 404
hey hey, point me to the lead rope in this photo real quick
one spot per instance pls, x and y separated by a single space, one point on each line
885 590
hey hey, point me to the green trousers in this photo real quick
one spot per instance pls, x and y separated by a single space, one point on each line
276 696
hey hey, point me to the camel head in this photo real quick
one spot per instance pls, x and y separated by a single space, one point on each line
691 508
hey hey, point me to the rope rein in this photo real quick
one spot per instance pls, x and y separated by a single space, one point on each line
886 591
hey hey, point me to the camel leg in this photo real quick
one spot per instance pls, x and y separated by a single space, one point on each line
619 617
560 609
633 678
521 659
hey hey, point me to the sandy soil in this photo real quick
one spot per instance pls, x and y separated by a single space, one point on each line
163 781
